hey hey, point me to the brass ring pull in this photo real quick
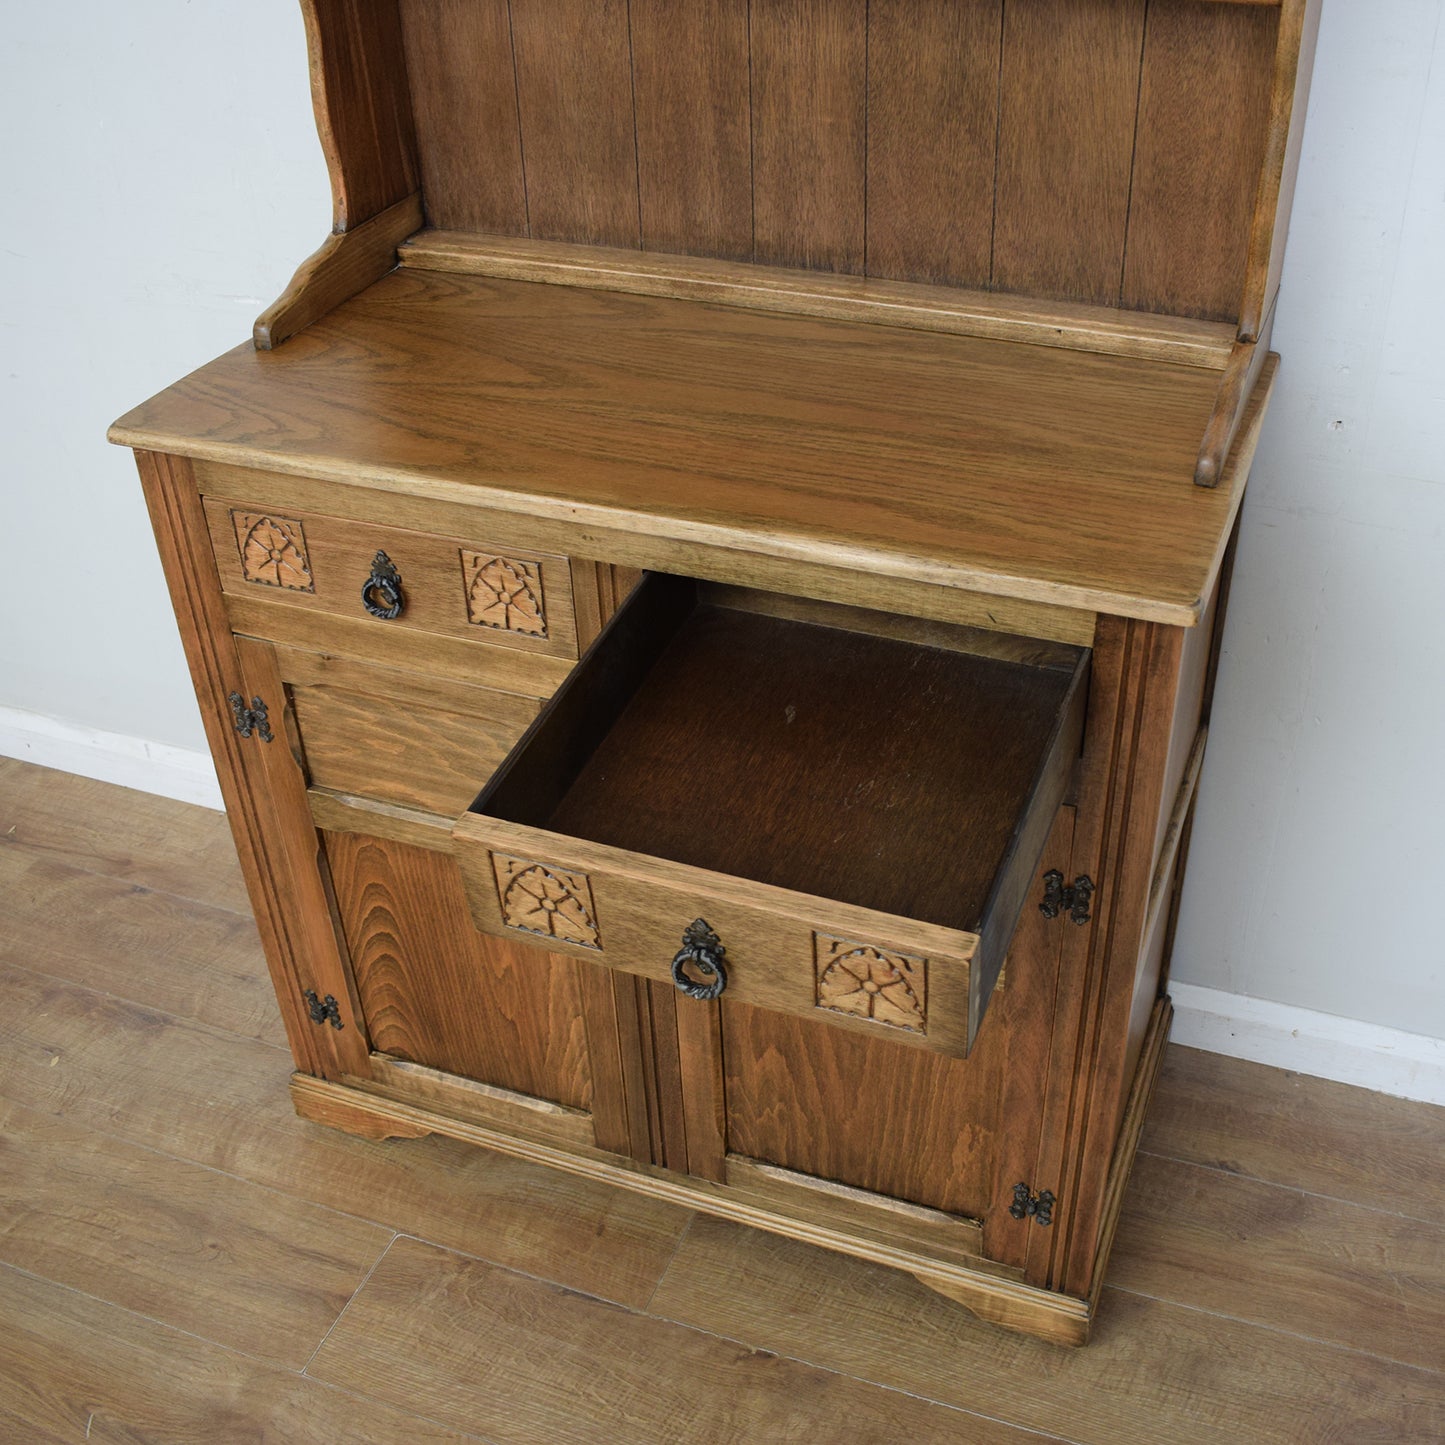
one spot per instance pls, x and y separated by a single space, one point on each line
703 951
381 593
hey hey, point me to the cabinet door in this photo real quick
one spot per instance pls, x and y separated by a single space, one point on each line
920 1148
494 1030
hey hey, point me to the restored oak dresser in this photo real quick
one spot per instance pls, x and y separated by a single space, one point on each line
705 591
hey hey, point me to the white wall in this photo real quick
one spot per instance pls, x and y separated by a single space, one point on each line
164 179
1319 845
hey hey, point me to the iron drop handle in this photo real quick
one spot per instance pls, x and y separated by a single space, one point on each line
702 951
381 593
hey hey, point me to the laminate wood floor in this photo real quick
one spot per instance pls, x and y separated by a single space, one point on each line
183 1260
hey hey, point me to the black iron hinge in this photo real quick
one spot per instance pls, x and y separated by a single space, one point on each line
1038 1207
251 719
323 1010
1074 896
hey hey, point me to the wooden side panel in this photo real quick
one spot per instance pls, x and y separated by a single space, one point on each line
264 790
694 135
574 93
933 70
1203 117
1288 101
809 132
1068 96
363 105
459 59
436 992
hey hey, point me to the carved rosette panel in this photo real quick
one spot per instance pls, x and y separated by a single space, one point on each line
871 983
273 551
549 902
504 593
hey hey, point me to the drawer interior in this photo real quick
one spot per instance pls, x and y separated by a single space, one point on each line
803 748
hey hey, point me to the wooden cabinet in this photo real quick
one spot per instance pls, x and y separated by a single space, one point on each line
709 665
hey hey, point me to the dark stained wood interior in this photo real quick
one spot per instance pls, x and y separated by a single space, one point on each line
863 769
1039 146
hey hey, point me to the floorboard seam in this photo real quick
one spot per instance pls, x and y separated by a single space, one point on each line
351 1299
1291 1188
280 1048
682 1235
1276 1330
36 850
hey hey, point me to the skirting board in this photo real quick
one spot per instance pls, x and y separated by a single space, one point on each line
1389 1061
1365 1055
180 773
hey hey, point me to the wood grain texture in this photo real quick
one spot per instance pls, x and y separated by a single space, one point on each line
345 263
76 1368
936 1131
176 1241
1335 1272
193 1092
932 128
435 992
1282 1128
425 654
478 1347
449 585
399 737
954 477
1203 117
574 99
907 304
264 791
136 939
464 98
1068 95
1236 386
809 107
1288 100
165 846
363 105
690 76
1153 1370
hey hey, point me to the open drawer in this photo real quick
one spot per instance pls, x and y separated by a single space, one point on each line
825 811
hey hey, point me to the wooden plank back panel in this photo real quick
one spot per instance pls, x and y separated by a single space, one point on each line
574 95
1067 97
363 105
459 58
1101 151
809 100
690 72
1203 112
932 126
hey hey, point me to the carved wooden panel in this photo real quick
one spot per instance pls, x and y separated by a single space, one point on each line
273 551
504 593
549 902
870 983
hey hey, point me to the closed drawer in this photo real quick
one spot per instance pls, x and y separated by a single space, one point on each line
397 736
856 817
449 587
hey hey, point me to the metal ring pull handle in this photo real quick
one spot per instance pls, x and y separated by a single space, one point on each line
704 952
381 594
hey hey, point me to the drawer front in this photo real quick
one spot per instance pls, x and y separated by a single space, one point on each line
884 976
398 737
455 587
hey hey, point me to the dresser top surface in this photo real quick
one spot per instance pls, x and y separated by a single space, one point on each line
1022 471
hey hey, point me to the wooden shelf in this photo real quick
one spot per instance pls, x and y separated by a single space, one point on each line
677 431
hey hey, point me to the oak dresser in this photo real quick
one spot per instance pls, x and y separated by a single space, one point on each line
705 591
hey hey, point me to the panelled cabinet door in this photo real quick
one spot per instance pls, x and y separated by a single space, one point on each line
495 1032
908 1146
